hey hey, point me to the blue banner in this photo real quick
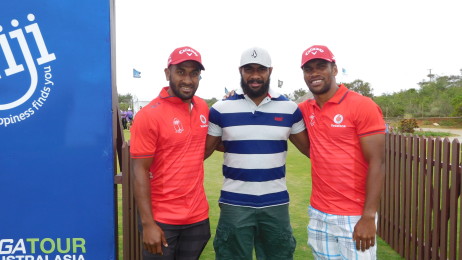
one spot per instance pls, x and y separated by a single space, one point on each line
56 157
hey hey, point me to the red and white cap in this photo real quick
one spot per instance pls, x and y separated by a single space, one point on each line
182 54
317 52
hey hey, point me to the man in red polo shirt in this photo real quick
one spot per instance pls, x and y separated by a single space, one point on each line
347 139
167 148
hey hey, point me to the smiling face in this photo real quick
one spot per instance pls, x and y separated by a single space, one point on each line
255 80
319 76
183 79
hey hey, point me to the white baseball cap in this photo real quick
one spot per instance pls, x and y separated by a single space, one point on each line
256 55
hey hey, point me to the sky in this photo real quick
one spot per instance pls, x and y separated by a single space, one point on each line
392 44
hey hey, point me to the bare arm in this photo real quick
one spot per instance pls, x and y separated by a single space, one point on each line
302 142
373 148
211 143
153 236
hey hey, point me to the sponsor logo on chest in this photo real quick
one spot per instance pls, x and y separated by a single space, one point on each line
178 126
312 117
338 119
203 121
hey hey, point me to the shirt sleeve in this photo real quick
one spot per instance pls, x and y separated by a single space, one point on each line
299 124
215 128
370 119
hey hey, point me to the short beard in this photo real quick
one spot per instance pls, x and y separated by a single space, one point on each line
255 94
323 90
175 90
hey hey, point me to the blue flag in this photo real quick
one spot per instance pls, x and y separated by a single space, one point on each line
136 74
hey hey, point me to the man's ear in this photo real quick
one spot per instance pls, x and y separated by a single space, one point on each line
334 70
167 74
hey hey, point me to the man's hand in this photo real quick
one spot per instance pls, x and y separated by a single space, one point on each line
229 94
153 239
364 233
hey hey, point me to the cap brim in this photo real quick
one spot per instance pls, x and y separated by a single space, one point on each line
316 58
258 63
183 60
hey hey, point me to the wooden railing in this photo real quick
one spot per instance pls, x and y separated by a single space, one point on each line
132 246
420 209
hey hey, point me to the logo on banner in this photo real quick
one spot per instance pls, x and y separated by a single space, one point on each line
43 249
16 42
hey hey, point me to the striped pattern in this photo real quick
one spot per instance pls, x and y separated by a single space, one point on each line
255 141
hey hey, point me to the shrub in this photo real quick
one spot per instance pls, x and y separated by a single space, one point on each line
407 125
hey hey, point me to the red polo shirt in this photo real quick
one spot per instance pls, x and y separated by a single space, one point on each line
338 167
166 130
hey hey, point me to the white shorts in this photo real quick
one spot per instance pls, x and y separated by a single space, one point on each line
331 236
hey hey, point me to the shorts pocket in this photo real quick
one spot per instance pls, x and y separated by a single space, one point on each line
221 243
282 246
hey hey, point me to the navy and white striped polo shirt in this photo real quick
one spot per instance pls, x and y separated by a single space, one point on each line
255 141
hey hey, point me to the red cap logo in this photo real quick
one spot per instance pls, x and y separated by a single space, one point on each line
317 52
183 54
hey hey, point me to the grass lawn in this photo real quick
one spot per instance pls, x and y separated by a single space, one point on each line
432 134
299 185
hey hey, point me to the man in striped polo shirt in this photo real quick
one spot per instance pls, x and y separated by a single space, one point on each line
254 126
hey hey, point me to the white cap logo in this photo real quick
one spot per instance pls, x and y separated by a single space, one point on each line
254 54
314 51
188 51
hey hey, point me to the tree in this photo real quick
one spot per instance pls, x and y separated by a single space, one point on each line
456 101
440 97
299 93
211 101
361 87
125 101
407 125
457 104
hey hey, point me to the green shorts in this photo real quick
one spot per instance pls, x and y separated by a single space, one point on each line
240 229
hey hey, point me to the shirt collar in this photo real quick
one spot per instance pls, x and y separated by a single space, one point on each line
339 95
271 93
